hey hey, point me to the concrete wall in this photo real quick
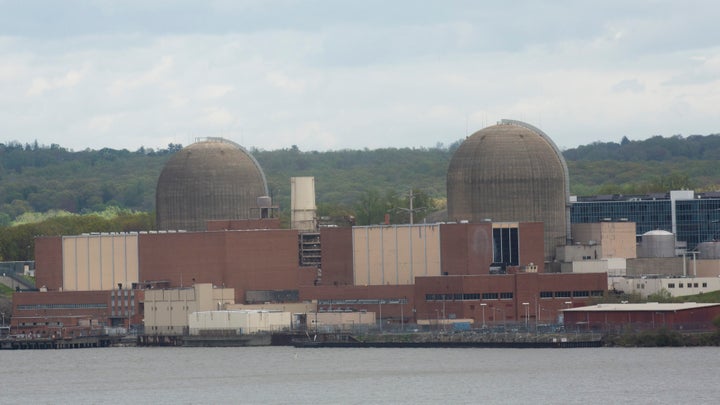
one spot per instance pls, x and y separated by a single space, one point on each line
663 266
347 320
99 262
616 238
241 322
395 255
677 287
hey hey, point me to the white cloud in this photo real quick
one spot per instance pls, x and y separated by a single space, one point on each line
271 75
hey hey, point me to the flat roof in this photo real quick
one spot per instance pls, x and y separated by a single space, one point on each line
650 306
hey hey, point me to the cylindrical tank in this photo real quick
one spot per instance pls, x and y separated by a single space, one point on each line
657 244
709 250
511 172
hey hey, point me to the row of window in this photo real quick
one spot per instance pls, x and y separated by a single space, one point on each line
571 294
58 324
61 306
469 296
689 285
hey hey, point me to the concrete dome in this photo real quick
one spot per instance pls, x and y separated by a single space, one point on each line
511 172
211 179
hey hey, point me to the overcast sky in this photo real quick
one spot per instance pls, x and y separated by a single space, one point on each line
328 75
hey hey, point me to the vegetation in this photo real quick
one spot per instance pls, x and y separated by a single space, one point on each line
52 190
17 242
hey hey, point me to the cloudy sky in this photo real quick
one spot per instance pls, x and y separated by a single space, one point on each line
332 74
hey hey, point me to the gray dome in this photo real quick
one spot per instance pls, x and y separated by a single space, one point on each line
211 179
511 172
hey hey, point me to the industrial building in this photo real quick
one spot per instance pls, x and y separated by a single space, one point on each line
494 262
693 218
619 317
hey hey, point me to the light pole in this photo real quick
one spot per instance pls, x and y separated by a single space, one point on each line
380 305
527 313
483 305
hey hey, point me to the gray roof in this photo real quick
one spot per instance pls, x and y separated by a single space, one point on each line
649 306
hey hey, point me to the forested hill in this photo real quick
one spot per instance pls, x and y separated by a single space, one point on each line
35 178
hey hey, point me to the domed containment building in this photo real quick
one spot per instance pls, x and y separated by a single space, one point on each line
511 172
209 180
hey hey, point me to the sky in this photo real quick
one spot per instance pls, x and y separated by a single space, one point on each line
334 74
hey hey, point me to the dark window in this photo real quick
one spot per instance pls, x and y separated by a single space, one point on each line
597 293
473 296
506 296
671 285
562 294
546 294
505 246
581 293
489 296
704 284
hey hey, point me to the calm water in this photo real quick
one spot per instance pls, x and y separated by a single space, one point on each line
360 376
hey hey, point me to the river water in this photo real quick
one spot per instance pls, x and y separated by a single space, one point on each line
283 375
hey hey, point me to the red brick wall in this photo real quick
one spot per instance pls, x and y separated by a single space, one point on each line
244 260
337 256
532 244
48 262
525 287
466 248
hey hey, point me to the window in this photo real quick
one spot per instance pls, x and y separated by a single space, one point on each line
562 294
472 296
581 293
680 285
506 296
546 294
704 285
505 246
671 285
489 296
597 293
695 285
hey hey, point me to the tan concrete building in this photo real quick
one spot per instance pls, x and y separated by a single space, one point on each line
616 239
324 321
675 286
99 262
395 254
167 310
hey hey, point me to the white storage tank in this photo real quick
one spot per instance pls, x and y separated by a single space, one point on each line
709 250
657 244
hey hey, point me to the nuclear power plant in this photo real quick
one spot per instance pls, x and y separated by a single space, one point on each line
511 172
505 253
214 179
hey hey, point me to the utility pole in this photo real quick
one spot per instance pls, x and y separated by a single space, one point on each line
411 210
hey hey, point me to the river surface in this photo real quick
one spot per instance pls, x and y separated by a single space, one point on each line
284 375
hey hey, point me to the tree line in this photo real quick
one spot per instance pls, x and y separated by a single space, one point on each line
364 185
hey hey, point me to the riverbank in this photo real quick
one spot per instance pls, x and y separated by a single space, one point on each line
662 338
